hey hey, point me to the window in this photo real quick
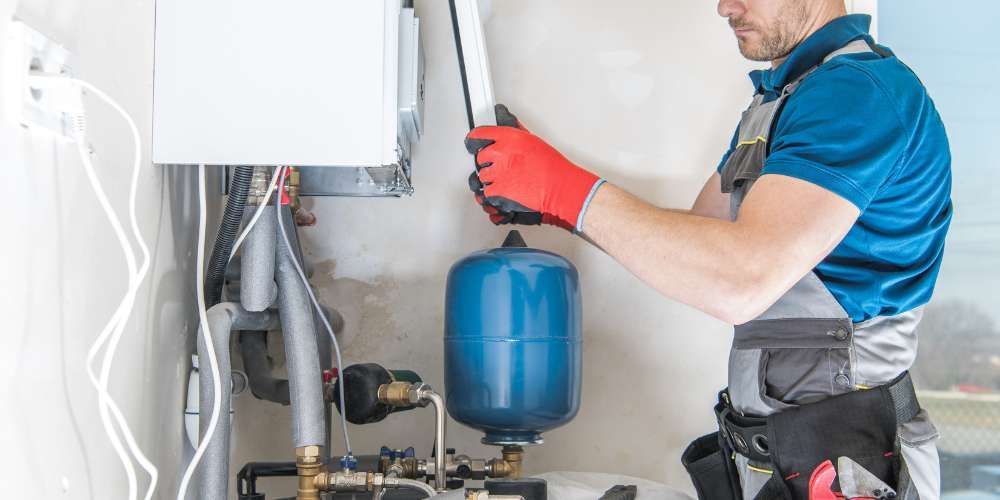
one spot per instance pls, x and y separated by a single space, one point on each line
953 47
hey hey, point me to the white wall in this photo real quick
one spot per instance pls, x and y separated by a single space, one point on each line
63 273
645 92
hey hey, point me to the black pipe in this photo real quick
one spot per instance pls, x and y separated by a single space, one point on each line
257 364
215 277
246 480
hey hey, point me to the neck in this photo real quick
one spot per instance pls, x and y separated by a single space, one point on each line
812 24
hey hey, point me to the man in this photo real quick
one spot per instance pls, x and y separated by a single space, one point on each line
820 237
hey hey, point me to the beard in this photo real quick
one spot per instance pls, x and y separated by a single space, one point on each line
777 39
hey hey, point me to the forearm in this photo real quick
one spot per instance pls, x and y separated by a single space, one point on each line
700 261
731 269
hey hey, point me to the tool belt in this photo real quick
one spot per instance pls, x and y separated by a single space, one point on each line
860 425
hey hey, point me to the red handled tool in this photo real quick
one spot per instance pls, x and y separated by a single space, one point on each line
821 483
856 483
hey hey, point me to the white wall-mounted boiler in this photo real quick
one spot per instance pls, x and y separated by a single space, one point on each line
307 83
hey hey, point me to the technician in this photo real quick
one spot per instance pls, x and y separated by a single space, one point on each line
820 237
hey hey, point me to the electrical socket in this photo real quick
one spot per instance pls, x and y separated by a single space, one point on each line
35 105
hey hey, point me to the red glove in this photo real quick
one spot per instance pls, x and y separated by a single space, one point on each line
522 180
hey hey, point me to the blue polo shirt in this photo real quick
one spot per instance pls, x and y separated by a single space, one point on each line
863 127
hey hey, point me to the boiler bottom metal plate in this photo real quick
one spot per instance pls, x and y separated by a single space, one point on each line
388 180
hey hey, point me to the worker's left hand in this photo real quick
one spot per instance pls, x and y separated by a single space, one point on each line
522 180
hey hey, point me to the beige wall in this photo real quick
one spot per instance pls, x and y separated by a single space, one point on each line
645 92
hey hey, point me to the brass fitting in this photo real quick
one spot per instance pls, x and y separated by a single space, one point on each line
513 455
259 184
395 393
292 185
497 468
309 463
509 466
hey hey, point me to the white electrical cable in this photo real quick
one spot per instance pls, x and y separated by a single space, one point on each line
119 320
140 276
319 310
113 324
207 338
107 404
260 210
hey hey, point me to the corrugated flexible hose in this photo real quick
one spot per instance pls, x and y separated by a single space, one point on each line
215 277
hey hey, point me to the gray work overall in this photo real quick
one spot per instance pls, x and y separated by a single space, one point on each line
805 348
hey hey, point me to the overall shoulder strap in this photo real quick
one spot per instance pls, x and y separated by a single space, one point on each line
856 47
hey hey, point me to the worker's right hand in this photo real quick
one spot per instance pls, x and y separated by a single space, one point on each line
497 216
520 179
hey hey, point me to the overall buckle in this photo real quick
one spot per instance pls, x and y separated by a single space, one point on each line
745 435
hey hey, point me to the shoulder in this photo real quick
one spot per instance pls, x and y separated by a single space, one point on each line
843 130
865 86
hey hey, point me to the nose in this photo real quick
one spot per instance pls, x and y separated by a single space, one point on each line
731 8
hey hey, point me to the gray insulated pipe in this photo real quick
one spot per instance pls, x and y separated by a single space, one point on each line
257 288
305 379
223 319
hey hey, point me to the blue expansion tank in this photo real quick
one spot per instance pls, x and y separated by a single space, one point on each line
512 342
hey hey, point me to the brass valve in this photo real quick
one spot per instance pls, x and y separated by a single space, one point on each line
310 465
408 467
344 481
